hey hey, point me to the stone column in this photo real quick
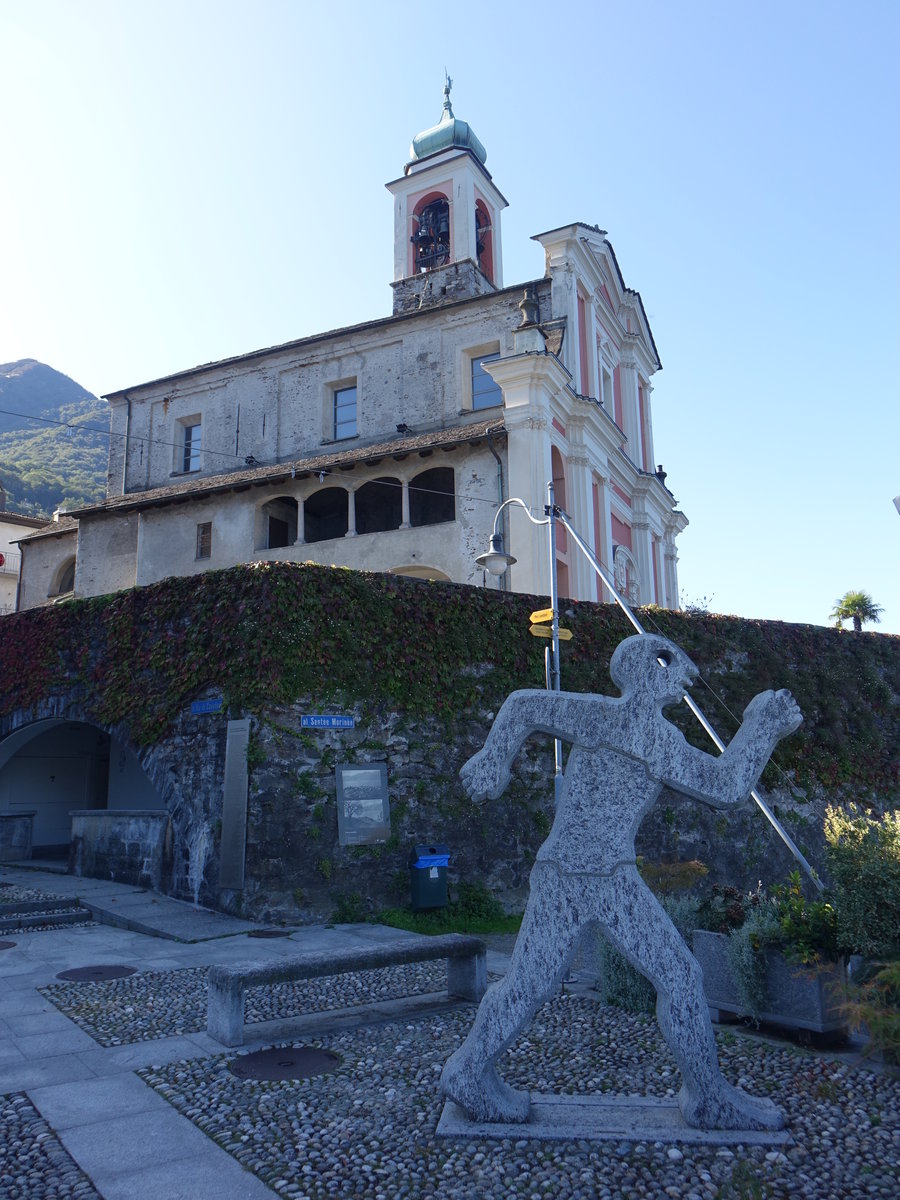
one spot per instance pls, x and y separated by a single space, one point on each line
404 505
351 513
581 509
301 523
529 383
628 383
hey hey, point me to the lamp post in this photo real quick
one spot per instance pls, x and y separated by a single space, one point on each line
496 561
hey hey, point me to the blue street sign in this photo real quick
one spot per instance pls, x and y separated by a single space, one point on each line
206 706
326 721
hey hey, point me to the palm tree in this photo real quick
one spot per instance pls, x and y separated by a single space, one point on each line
856 607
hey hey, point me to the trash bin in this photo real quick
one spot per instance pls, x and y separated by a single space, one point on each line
428 876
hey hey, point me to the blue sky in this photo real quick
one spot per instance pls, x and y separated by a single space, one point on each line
188 181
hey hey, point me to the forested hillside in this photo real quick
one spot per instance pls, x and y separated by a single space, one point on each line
53 439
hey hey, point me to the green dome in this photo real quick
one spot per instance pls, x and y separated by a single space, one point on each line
449 134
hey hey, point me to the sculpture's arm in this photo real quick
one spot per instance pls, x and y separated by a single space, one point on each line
727 780
563 715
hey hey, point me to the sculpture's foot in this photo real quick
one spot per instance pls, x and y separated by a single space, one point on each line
481 1092
727 1107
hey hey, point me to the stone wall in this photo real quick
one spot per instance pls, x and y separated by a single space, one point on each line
422 669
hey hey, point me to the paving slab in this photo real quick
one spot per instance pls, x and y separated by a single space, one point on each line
135 1143
87 1102
602 1119
213 1176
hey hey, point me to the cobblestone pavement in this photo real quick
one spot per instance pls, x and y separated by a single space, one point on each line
368 1130
33 1162
97 1101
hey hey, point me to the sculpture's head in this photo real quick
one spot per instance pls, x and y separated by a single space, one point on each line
652 666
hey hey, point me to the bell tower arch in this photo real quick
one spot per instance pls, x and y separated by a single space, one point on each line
447 209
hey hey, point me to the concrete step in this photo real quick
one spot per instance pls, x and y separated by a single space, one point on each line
36 914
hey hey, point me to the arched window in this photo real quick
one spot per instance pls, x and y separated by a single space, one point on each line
379 505
431 233
484 239
325 515
65 578
431 497
279 522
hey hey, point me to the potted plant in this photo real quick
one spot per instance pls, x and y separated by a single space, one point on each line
773 957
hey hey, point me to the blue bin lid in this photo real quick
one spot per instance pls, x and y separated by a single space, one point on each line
430 856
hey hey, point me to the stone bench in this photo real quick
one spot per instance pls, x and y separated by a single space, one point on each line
466 974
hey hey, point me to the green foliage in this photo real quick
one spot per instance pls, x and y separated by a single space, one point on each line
724 909
857 607
875 1006
747 960
863 854
256 756
268 634
806 929
474 910
349 909
668 878
47 466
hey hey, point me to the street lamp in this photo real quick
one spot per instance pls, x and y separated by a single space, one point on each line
496 561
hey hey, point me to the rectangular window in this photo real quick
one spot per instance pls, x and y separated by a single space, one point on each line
204 540
345 413
485 393
190 460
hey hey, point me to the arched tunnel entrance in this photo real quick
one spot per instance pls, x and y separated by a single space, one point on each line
87 795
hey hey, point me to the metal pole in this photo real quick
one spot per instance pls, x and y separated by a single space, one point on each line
554 636
767 812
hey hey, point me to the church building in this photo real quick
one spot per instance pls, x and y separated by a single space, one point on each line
389 445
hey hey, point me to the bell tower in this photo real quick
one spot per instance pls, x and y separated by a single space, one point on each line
446 215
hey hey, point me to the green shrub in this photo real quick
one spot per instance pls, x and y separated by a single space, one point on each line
863 853
475 910
618 982
875 1005
807 929
349 909
747 959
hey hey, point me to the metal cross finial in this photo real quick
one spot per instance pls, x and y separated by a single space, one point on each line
448 84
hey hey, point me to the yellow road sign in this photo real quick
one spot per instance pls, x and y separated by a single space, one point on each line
546 631
542 614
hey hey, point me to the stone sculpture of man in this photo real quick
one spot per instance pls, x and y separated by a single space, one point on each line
623 751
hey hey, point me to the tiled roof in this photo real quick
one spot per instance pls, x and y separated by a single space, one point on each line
345 459
51 529
12 518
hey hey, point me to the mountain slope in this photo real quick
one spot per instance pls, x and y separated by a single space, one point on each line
53 439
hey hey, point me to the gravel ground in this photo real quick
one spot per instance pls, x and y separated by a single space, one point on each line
33 1163
367 1130
163 1003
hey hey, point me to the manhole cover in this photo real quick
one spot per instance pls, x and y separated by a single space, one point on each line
6 945
80 974
265 933
291 1062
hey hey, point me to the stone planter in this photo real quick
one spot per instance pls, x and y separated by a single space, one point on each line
799 997
15 836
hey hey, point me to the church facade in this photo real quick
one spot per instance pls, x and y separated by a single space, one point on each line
389 445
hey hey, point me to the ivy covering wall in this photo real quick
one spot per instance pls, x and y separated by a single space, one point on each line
267 633
407 654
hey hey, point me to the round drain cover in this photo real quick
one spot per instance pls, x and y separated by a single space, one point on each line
266 933
106 971
6 945
290 1062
